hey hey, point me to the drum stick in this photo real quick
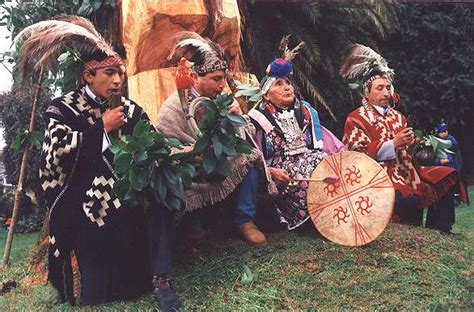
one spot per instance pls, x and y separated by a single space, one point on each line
325 180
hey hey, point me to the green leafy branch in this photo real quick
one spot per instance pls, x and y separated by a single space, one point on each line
69 64
25 138
251 93
149 173
219 138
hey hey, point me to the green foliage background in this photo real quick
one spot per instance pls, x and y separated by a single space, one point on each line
15 109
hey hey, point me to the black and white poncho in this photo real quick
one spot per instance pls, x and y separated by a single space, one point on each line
77 178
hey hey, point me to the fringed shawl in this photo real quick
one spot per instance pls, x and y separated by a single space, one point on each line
172 122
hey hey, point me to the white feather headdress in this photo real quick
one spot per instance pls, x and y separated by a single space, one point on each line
40 44
190 42
362 63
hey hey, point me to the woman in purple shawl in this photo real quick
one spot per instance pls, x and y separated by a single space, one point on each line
291 139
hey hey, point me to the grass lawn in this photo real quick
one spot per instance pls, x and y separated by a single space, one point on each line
406 268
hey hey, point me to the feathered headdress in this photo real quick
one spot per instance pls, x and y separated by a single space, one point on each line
280 67
40 45
361 65
207 56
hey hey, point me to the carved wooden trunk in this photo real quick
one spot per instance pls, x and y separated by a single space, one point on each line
148 27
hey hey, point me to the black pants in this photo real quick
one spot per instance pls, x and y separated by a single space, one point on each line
439 217
113 263
162 232
442 216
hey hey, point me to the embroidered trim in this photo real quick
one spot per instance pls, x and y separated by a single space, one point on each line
202 69
114 60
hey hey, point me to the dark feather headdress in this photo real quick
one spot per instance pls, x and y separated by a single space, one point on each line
207 55
40 44
362 64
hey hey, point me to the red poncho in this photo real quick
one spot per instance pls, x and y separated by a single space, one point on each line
366 130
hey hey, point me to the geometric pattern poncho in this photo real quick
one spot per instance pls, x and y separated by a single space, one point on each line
366 130
77 177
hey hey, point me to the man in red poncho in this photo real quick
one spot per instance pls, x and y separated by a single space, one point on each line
380 131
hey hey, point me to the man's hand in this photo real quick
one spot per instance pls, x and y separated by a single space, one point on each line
113 119
280 176
404 138
444 161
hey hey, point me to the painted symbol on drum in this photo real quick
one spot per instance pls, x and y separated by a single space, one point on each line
341 215
331 188
352 204
353 175
363 205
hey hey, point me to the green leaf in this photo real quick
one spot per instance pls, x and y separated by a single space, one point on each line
176 188
200 144
209 161
419 134
160 187
16 143
140 128
243 147
247 275
353 86
147 139
229 149
121 188
223 166
85 9
143 201
173 203
140 178
173 142
122 162
169 174
237 120
36 139
217 146
140 156
20 141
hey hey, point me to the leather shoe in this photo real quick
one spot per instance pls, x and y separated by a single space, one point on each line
164 295
252 234
452 234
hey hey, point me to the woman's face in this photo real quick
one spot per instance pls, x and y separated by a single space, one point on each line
281 93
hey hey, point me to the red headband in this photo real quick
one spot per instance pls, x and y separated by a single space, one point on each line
113 60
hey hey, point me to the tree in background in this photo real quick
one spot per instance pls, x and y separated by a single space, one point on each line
327 30
432 54
15 118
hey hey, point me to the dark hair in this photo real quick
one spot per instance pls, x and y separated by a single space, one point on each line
198 60
95 56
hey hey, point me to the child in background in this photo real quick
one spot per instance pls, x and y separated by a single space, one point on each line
452 160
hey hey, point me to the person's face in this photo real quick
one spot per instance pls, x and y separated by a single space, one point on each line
443 134
281 93
106 81
211 84
379 93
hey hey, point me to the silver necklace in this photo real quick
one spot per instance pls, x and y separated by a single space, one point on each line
294 136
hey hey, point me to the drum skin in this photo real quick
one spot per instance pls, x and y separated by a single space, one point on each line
355 209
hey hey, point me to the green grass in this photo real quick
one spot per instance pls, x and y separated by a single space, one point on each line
406 268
